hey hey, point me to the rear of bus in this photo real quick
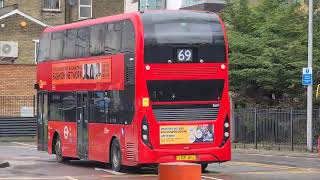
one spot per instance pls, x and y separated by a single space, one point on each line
184 89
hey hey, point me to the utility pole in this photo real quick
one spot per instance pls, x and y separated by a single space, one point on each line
309 93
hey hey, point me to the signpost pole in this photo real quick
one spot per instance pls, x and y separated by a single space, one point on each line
309 92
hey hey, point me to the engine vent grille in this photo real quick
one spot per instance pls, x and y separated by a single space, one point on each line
130 151
194 112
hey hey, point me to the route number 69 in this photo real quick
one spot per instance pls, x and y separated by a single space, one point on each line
184 55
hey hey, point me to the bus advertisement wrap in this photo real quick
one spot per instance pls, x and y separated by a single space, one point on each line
94 71
186 134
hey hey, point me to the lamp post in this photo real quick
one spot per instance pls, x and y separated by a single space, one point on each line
309 91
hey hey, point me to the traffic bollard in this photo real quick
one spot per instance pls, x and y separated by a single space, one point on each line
179 171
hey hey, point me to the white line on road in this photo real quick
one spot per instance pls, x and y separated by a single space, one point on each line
70 178
32 178
109 171
213 178
23 147
24 144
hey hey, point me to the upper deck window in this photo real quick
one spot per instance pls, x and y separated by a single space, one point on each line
101 39
166 32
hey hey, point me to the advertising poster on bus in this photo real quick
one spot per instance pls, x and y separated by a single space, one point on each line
94 71
186 134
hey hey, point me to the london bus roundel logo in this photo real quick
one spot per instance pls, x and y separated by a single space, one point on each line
65 132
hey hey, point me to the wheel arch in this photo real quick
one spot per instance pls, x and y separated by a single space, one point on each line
54 140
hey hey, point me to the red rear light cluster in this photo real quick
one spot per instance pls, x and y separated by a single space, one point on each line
145 134
226 131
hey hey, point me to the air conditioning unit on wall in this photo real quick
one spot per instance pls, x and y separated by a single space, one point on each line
8 49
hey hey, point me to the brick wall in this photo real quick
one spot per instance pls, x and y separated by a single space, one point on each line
17 80
34 8
23 35
107 7
100 8
30 7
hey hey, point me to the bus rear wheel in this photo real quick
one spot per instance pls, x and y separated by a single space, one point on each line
116 156
58 150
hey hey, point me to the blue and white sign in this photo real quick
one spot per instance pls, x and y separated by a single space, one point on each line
307 76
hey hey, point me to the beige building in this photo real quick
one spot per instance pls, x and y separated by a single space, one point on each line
21 23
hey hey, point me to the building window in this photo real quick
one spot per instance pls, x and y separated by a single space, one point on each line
51 5
36 49
85 9
1 4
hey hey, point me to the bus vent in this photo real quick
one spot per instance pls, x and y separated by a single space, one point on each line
130 151
130 75
184 72
186 114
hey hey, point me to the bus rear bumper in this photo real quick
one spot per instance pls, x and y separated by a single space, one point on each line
207 155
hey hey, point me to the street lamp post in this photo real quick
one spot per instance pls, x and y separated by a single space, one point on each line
309 92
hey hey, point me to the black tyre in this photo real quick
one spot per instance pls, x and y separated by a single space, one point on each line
116 156
204 166
58 150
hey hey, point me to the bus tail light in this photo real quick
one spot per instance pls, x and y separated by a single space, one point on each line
226 131
145 133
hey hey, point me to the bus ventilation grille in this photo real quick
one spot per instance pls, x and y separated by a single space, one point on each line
130 75
184 72
186 114
130 151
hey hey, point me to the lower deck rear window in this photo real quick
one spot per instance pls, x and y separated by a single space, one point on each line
180 90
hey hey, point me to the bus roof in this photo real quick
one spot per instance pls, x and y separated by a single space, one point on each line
90 22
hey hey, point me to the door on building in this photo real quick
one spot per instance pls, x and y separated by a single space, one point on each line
82 125
42 122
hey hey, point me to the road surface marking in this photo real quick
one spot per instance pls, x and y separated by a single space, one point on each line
109 171
24 144
32 178
22 147
207 177
70 178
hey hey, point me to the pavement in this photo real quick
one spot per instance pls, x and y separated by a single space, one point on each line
26 163
276 153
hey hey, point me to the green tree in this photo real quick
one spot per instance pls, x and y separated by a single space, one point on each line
268 49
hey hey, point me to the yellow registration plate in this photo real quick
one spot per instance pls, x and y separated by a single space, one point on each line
186 157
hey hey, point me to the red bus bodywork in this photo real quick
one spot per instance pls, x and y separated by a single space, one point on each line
134 151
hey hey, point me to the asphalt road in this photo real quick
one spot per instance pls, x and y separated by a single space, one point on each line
27 163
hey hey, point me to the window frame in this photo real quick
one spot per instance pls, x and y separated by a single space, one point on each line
1 3
88 6
36 49
52 10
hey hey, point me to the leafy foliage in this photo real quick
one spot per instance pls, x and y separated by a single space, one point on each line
268 49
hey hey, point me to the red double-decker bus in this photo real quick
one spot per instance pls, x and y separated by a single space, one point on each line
135 89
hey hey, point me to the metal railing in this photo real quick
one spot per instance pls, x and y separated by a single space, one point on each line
18 126
17 106
279 128
18 116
